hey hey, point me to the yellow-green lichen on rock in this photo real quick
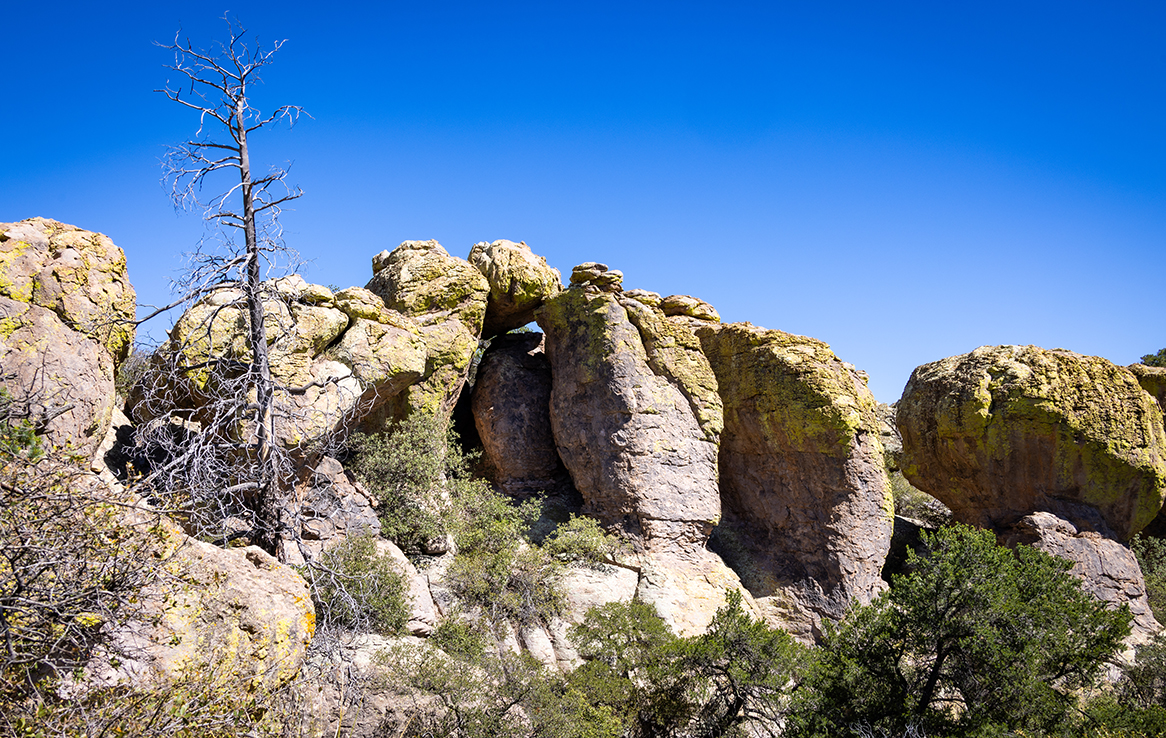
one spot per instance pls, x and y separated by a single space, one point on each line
447 298
1007 430
79 275
519 282
803 482
332 367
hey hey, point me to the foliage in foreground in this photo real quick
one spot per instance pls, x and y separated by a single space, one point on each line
1151 554
355 587
976 636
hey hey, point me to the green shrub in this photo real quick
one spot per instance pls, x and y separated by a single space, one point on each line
1158 359
976 636
581 540
355 587
496 568
460 638
1151 553
406 470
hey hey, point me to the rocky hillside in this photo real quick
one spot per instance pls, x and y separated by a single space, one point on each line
717 458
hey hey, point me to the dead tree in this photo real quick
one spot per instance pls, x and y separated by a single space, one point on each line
217 85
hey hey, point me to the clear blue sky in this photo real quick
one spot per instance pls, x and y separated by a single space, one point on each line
905 181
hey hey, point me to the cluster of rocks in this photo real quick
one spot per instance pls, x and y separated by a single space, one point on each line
729 456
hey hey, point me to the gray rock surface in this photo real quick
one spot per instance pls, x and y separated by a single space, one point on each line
1108 570
511 407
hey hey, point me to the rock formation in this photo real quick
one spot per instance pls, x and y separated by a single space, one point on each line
1153 380
511 407
447 298
1005 431
805 492
636 418
1048 447
519 283
338 358
66 323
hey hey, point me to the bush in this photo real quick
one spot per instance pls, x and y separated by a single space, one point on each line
1151 554
496 567
581 540
1158 359
914 503
975 636
406 470
355 587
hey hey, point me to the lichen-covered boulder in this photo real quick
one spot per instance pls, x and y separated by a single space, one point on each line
66 321
637 431
804 487
447 297
1005 431
511 407
519 283
79 275
336 359
689 306
1108 570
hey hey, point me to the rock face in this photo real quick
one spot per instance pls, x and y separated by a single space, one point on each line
511 406
634 442
1153 380
447 298
66 322
329 504
636 419
1108 570
803 483
519 283
1006 431
340 357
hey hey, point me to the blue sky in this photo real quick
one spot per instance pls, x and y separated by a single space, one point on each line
905 181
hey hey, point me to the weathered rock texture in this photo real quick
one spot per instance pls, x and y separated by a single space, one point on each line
519 283
1005 431
336 359
1153 380
66 322
1108 570
636 417
805 491
511 406
447 298
623 420
328 506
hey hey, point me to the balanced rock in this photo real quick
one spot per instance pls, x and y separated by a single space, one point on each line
803 483
597 275
338 359
511 406
447 298
66 322
1005 431
519 283
689 306
1108 570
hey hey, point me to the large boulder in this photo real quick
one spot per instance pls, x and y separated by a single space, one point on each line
808 512
519 283
511 406
1108 570
636 419
446 296
66 321
1005 431
337 359
79 275
627 426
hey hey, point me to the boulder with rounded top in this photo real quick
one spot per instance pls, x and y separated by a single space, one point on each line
519 283
1005 431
